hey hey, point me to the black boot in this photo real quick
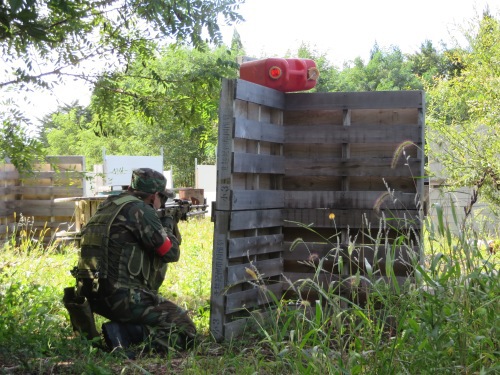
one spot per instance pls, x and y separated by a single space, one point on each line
80 314
120 336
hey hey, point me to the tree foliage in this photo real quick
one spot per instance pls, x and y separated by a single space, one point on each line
168 101
42 42
16 146
57 34
464 115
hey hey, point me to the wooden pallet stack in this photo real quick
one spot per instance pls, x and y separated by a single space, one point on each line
309 176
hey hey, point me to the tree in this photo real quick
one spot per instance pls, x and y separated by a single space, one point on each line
43 42
431 65
464 115
385 70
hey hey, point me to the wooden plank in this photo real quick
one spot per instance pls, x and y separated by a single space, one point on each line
66 159
219 275
46 211
20 204
328 218
301 250
258 131
235 328
241 273
304 134
9 175
253 298
255 163
258 94
303 279
401 258
53 175
225 147
257 199
242 220
351 287
256 245
355 100
7 228
380 167
383 260
42 190
380 117
349 199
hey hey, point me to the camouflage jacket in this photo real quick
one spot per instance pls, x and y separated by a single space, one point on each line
125 233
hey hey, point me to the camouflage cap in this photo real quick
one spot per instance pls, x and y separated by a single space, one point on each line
148 180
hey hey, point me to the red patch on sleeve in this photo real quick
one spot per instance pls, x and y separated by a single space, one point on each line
163 249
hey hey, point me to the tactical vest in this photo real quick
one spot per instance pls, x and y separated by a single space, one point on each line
134 265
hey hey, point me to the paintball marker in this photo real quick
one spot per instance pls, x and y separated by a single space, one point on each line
180 209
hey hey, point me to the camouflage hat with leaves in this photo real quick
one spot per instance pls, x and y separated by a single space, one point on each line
148 180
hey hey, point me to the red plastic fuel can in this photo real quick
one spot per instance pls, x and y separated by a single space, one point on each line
281 74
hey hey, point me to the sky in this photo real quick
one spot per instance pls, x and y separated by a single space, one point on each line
343 30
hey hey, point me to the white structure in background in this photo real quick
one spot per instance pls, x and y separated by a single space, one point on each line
453 203
205 177
116 171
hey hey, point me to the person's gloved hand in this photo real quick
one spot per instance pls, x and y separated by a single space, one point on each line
168 223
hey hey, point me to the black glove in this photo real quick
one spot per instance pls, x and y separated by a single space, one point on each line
168 223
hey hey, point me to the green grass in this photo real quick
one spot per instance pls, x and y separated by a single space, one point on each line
447 323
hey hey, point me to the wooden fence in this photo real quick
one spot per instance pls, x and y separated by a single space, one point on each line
311 166
29 200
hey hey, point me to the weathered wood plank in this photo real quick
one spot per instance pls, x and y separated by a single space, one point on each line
240 273
78 160
255 130
305 134
363 183
258 94
242 220
355 100
380 117
300 250
257 199
349 199
42 190
248 246
225 146
252 298
56 176
45 211
322 166
382 259
255 163
219 280
237 327
20 204
328 218
9 175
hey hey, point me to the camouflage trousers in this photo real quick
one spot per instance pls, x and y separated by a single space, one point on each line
167 324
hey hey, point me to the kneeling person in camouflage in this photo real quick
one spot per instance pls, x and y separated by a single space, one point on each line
125 249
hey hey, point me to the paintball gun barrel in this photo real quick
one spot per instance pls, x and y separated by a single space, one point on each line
181 209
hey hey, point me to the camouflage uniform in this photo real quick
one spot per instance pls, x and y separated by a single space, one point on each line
120 270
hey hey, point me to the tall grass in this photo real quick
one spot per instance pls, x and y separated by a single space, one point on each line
446 322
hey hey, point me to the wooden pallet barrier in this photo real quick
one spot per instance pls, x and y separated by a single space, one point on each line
330 169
